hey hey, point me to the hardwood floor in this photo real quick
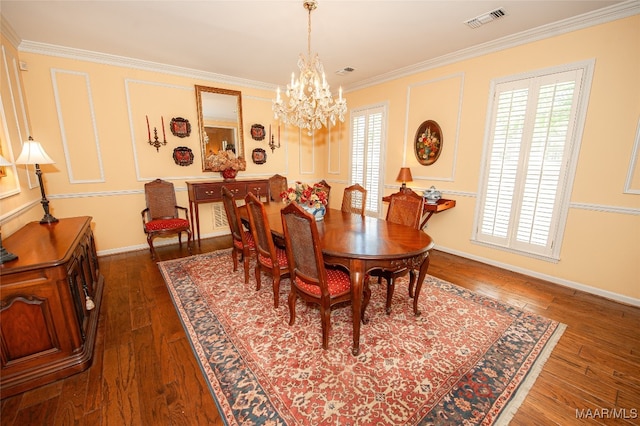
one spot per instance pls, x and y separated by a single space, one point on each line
144 372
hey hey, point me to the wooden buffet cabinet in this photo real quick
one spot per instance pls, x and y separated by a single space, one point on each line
49 306
211 192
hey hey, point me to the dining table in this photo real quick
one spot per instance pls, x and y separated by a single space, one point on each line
362 244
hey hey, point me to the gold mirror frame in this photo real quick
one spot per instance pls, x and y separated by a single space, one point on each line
225 98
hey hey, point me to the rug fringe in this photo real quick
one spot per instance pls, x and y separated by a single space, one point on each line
511 408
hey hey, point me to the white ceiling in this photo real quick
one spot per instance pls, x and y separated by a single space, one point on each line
260 40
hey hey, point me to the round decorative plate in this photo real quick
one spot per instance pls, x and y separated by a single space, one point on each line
259 156
183 156
257 132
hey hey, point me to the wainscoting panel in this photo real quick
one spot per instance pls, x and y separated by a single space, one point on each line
76 117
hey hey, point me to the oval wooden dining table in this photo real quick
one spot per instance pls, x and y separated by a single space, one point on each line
362 244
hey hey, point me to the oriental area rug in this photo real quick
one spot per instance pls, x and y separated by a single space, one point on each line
468 359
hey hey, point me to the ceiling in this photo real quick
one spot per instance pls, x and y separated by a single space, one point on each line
260 40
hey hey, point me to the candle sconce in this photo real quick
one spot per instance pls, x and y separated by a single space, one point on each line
272 143
156 143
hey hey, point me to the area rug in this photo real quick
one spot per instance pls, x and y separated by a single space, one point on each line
467 359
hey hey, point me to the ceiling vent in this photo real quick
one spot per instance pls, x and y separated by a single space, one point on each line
345 70
485 18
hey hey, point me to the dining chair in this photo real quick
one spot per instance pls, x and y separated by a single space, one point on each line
277 185
161 217
271 260
405 208
310 279
354 199
327 189
243 243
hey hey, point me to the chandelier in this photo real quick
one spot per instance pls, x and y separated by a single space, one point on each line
309 103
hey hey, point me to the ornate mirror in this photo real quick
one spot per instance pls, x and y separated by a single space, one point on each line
220 123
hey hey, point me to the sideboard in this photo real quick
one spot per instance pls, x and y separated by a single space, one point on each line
50 301
211 192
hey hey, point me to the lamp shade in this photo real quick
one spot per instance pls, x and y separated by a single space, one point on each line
4 162
404 175
33 153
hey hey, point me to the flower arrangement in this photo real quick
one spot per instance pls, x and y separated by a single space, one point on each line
428 145
224 160
304 194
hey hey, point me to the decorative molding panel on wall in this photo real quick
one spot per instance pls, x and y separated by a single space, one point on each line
632 184
334 140
77 120
306 153
157 101
426 102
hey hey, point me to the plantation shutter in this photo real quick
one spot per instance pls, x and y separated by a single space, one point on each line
533 122
366 152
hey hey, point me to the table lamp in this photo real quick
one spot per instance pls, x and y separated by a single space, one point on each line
404 176
33 153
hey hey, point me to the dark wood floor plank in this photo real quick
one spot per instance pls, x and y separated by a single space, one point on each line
148 375
120 388
43 413
71 409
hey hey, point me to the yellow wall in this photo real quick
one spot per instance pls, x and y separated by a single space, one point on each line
107 160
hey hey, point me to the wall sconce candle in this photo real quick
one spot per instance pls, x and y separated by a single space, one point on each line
156 143
272 143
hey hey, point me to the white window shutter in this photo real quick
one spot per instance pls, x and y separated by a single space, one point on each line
524 190
367 133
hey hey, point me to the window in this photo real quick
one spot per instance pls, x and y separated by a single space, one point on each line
530 154
367 133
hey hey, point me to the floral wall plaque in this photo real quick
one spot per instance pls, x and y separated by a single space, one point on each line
428 142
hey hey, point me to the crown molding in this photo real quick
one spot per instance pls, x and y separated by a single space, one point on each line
8 32
108 59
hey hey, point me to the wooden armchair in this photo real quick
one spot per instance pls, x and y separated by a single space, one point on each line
277 185
243 243
405 208
161 217
270 259
310 279
354 199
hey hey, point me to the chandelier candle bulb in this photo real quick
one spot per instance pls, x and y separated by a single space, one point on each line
148 129
164 136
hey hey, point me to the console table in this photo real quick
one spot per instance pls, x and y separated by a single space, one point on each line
429 209
50 303
211 192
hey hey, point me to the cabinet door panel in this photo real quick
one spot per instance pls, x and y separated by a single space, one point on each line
27 329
